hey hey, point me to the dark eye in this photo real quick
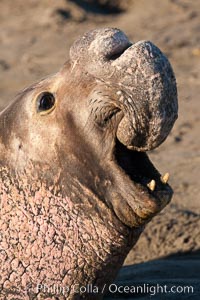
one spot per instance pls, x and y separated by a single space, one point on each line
45 102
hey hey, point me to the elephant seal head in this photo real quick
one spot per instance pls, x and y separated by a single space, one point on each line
94 120
134 104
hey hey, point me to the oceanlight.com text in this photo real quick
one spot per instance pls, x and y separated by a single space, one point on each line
152 290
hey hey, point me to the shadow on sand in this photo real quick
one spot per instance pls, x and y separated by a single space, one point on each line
97 7
173 277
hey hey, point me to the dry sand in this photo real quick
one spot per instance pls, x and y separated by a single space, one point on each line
35 37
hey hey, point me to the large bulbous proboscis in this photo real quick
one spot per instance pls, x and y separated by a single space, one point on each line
143 79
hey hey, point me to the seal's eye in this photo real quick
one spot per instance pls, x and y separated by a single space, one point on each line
45 102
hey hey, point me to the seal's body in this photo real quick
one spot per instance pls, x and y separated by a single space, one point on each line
77 186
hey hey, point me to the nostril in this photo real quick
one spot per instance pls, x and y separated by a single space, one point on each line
117 54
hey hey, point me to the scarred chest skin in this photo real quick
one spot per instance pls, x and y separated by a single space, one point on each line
45 239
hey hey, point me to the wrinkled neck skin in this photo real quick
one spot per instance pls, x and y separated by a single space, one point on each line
54 238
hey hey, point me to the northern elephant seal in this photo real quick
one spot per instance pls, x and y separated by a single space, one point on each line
76 184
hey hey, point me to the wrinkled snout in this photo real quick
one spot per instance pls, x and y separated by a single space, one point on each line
141 77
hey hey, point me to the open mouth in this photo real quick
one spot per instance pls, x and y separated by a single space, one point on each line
150 191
